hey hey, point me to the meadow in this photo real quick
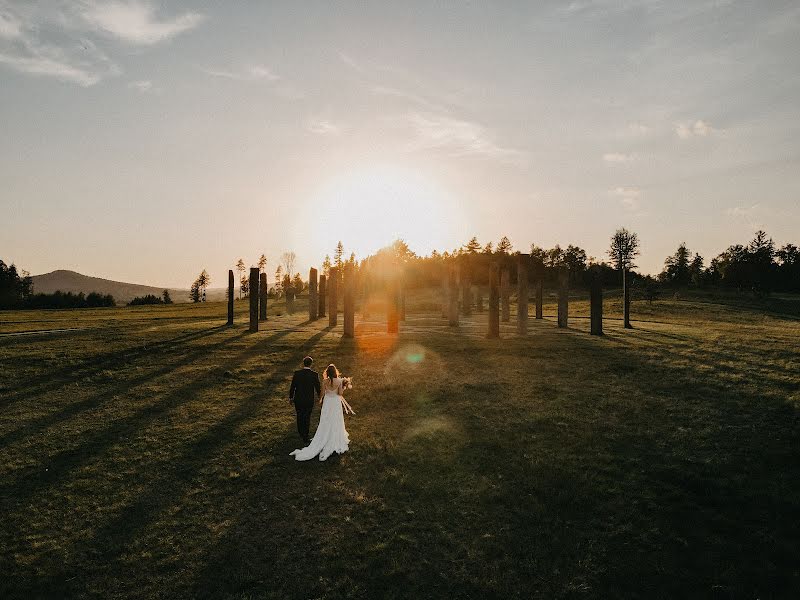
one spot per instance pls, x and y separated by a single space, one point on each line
144 454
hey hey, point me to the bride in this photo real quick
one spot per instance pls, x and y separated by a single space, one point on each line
331 436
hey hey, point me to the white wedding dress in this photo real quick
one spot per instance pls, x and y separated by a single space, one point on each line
331 436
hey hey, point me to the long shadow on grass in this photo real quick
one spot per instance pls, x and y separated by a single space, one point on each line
113 539
31 479
63 377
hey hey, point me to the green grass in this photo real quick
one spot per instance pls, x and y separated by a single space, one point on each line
146 456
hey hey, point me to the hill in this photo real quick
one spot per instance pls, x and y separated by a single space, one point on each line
70 281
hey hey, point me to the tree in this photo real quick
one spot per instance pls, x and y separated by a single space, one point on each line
574 260
244 287
761 257
288 259
241 268
166 298
677 269
696 270
624 249
15 288
262 263
194 292
337 256
504 246
203 281
788 271
297 283
473 246
278 281
488 249
326 266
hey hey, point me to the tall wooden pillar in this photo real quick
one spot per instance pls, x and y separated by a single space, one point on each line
349 302
262 297
626 300
333 300
230 296
313 297
494 301
596 305
445 293
290 294
466 291
452 311
563 298
253 298
479 300
323 294
402 301
505 295
539 293
522 294
393 307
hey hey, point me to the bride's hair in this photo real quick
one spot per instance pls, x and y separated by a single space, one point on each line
331 372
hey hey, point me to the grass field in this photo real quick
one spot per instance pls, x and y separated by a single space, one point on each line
144 454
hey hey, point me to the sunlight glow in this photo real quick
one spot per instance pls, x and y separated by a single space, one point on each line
369 209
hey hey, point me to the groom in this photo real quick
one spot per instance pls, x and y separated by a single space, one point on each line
305 384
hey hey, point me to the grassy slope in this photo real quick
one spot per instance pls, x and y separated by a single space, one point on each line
657 462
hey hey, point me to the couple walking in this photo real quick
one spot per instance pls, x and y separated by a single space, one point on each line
331 435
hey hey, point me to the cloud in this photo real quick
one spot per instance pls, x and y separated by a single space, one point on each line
638 129
616 157
253 73
141 86
696 129
136 21
381 90
629 197
456 137
324 127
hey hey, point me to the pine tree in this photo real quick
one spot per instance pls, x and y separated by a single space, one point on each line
262 263
241 268
504 246
326 266
278 281
473 246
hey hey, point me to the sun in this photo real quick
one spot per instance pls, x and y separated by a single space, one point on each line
369 208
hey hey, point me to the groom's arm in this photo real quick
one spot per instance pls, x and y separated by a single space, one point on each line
316 385
293 388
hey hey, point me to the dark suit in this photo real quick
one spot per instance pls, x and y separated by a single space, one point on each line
305 384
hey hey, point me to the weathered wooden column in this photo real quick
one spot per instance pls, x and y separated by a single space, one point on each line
290 300
313 299
466 291
505 295
563 298
626 300
539 288
402 301
230 296
333 301
323 294
522 294
253 298
596 305
445 293
262 297
494 301
349 302
452 311
392 307
479 300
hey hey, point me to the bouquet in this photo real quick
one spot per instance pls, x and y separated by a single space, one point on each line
347 384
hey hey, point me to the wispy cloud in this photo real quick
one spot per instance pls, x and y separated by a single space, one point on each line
697 129
252 73
617 157
324 127
143 86
380 90
455 137
628 197
55 39
137 21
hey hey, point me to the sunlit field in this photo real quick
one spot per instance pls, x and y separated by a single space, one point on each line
144 454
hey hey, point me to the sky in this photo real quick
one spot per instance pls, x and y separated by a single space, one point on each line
144 141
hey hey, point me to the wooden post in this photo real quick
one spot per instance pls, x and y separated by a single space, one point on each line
479 300
402 301
392 307
539 289
445 294
452 312
563 297
505 295
323 294
349 302
230 296
290 300
313 298
494 301
522 294
626 300
333 301
253 298
466 291
596 305
262 297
